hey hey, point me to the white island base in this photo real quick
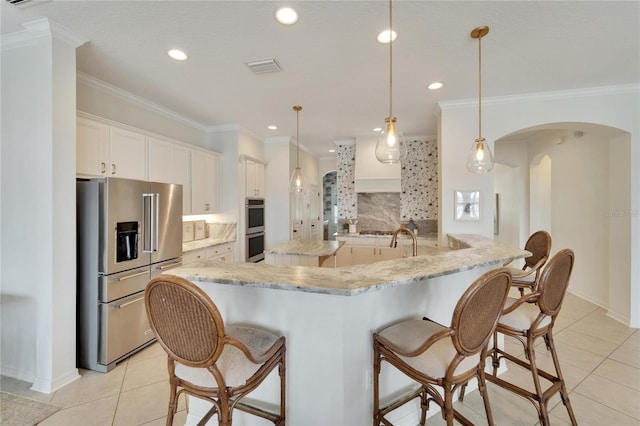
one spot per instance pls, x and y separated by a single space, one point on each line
329 338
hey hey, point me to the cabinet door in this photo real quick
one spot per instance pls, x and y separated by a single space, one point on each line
91 148
180 173
386 253
344 256
364 255
159 161
255 179
127 154
259 180
203 182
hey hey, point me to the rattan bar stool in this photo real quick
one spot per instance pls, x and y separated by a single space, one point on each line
448 357
528 318
539 244
206 359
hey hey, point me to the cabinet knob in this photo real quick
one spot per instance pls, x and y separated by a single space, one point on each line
113 169
104 167
206 207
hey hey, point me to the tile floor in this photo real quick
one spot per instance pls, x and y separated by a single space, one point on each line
600 359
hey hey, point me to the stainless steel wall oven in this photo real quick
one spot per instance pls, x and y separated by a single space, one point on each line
255 229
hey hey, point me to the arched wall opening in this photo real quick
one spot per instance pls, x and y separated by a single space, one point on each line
573 180
330 204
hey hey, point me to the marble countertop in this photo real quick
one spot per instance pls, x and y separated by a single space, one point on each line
207 242
469 252
307 248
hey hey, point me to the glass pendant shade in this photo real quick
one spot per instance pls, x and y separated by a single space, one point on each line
390 148
480 159
298 184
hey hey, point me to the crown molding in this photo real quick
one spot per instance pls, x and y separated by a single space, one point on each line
96 83
40 28
541 96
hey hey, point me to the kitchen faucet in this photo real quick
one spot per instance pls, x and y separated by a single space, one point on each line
394 239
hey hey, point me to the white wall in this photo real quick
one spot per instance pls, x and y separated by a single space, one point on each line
617 107
506 185
37 191
277 212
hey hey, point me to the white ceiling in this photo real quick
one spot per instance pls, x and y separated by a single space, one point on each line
332 64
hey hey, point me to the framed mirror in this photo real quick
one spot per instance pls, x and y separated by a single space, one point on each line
467 205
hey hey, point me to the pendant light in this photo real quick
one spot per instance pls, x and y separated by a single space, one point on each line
480 159
390 147
298 184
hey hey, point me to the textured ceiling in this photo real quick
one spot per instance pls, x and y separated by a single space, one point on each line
331 62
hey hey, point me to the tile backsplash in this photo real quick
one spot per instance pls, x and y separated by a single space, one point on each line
418 199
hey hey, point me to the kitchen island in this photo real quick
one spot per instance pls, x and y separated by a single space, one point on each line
328 317
303 252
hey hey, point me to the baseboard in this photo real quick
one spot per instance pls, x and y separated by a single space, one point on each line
50 386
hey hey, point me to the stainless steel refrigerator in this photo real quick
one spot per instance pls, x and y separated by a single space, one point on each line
128 232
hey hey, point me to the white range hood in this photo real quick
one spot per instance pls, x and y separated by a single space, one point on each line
370 174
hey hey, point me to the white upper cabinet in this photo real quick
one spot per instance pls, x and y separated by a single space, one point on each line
103 150
169 163
92 152
204 182
255 179
127 154
108 150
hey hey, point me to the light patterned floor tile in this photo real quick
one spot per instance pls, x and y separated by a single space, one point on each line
585 342
611 394
627 356
599 325
590 413
575 307
179 419
94 413
619 373
633 342
145 372
144 404
91 386
152 351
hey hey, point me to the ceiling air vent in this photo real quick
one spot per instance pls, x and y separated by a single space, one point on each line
264 66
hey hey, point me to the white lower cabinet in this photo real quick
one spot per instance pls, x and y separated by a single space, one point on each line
221 252
358 255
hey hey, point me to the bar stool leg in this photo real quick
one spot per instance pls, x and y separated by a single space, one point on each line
376 378
564 395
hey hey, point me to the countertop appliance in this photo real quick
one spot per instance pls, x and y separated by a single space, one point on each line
128 232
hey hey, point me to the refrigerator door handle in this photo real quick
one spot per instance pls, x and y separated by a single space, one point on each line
147 223
156 222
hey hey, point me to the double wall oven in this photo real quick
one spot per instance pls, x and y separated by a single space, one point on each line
255 229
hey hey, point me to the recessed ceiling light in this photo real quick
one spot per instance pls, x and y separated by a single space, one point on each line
286 16
272 127
332 150
383 37
377 129
178 55
435 85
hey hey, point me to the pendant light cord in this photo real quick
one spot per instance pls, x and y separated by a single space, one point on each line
480 89
390 59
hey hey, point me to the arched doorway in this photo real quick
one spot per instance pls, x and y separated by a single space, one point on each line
330 205
573 179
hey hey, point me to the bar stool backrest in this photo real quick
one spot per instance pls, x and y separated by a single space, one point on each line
186 322
478 310
539 244
554 282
